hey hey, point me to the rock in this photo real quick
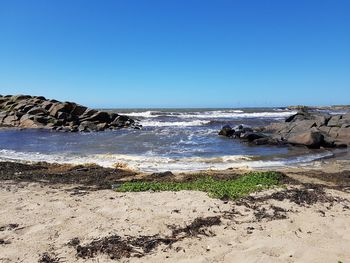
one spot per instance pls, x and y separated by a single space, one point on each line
120 121
10 120
100 116
27 108
21 97
251 136
309 138
3 115
101 126
262 141
46 105
78 110
30 124
311 129
87 126
88 113
37 111
163 174
227 131
61 107
64 116
334 121
343 136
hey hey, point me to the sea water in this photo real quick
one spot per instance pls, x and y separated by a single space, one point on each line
171 139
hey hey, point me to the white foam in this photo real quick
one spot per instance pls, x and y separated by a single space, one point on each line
239 114
213 114
173 123
145 114
151 163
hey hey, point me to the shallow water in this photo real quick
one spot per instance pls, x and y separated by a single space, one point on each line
171 139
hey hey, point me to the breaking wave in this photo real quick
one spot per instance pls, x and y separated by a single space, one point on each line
153 163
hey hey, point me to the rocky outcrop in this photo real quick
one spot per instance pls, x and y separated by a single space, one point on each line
307 128
26 111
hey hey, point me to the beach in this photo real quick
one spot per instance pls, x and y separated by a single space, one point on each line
306 221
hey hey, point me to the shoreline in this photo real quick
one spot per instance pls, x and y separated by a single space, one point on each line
63 212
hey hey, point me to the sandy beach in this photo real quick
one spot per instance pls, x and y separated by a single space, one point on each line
307 220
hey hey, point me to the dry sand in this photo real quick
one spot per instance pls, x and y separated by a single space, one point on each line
48 217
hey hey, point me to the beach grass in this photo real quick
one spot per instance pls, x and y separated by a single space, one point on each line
216 188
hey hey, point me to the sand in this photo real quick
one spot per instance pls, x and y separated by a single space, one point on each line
49 216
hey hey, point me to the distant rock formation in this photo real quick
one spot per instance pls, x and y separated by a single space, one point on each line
306 128
26 111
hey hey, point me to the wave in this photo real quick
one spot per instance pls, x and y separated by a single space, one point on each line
152 163
185 119
145 114
212 114
173 123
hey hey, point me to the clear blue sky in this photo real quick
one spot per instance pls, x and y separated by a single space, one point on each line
177 53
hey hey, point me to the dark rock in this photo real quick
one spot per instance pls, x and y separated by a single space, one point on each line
88 113
251 136
227 131
163 174
27 108
100 116
21 97
64 116
311 129
78 110
262 141
36 112
246 129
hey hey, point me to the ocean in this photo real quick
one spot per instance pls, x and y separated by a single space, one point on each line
171 139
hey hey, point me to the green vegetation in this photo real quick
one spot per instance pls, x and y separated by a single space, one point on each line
230 189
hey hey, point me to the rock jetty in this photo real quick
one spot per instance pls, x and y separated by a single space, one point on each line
24 111
306 128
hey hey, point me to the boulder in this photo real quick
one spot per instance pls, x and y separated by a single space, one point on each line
88 113
251 136
310 139
343 136
37 111
78 110
101 126
100 116
21 97
227 131
66 107
30 124
334 121
3 115
46 105
63 116
10 120
87 126
27 108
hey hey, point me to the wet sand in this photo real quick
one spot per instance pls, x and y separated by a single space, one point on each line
70 214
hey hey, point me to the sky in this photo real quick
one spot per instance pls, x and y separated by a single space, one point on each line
177 53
